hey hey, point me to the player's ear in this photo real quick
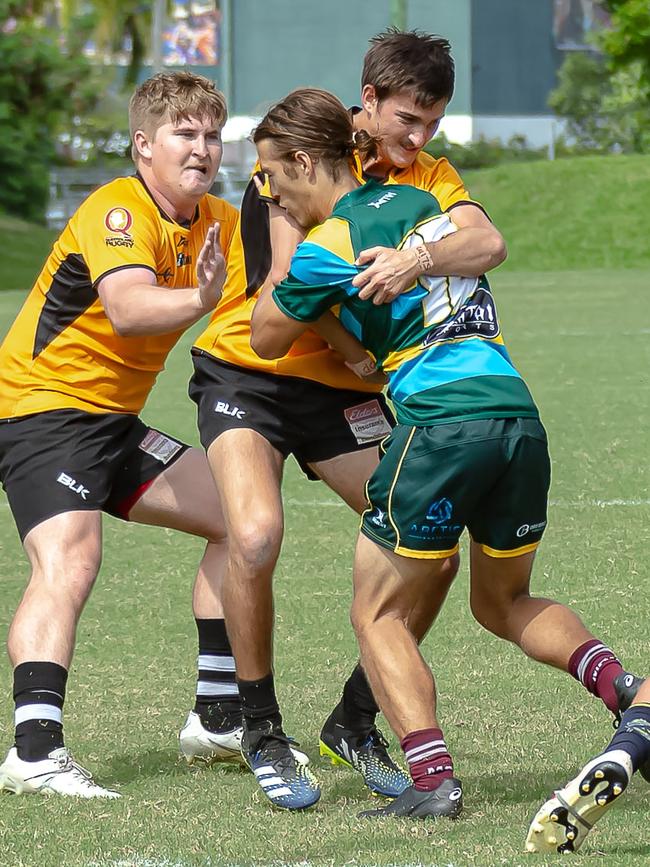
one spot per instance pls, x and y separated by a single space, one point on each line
304 162
369 98
141 144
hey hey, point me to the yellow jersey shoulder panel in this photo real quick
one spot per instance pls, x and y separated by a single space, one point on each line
437 176
333 235
61 351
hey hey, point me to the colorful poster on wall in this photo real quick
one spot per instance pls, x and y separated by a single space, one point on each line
191 37
575 20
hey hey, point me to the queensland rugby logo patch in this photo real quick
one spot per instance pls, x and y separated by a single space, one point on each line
119 221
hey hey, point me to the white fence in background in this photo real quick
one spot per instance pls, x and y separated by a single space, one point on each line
69 186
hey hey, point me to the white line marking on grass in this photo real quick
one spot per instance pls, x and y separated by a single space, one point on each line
140 862
165 862
597 504
560 504
637 332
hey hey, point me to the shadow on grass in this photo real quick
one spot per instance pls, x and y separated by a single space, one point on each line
129 768
521 788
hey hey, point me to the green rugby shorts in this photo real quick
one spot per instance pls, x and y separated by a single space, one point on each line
489 475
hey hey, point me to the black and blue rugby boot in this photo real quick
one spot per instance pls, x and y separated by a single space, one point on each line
285 781
365 752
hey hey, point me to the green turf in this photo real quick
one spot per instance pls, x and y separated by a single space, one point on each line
582 213
25 249
515 728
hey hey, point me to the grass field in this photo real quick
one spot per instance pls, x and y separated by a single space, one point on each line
516 729
584 212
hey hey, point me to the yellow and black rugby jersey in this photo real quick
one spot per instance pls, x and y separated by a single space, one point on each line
436 176
227 336
61 351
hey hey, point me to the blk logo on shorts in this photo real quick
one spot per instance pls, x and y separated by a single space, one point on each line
224 407
75 487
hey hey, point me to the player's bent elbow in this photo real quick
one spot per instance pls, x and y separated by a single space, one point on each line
121 326
277 275
498 251
117 314
263 347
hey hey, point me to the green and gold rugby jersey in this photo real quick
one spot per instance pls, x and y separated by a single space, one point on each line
439 343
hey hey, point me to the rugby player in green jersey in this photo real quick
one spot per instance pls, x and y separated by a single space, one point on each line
469 449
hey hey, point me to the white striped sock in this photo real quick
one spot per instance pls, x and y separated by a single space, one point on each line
27 712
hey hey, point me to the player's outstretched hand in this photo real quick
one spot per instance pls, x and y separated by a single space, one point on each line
211 269
389 273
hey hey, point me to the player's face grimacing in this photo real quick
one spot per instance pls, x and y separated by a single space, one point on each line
293 184
185 157
403 125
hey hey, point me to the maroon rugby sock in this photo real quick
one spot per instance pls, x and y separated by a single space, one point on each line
596 667
428 758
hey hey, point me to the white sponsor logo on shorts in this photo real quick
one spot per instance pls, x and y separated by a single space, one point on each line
224 407
525 529
75 487
159 446
367 422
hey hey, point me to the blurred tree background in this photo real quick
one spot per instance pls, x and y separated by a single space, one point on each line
56 105
604 94
67 66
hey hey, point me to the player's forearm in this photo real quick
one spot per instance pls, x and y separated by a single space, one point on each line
355 354
339 338
469 252
269 339
154 310
285 235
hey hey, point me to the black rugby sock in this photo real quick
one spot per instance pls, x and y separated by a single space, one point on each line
216 682
357 709
259 702
633 735
39 693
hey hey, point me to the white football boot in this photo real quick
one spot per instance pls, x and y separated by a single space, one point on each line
563 822
198 744
58 774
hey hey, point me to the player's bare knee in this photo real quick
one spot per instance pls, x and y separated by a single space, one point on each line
362 616
366 617
70 583
493 612
256 549
484 605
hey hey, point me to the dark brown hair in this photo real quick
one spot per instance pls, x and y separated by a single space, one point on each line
170 97
414 61
316 122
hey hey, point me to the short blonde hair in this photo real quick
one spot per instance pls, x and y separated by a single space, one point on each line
170 97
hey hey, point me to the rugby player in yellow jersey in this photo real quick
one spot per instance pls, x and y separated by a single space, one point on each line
253 413
140 261
469 450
